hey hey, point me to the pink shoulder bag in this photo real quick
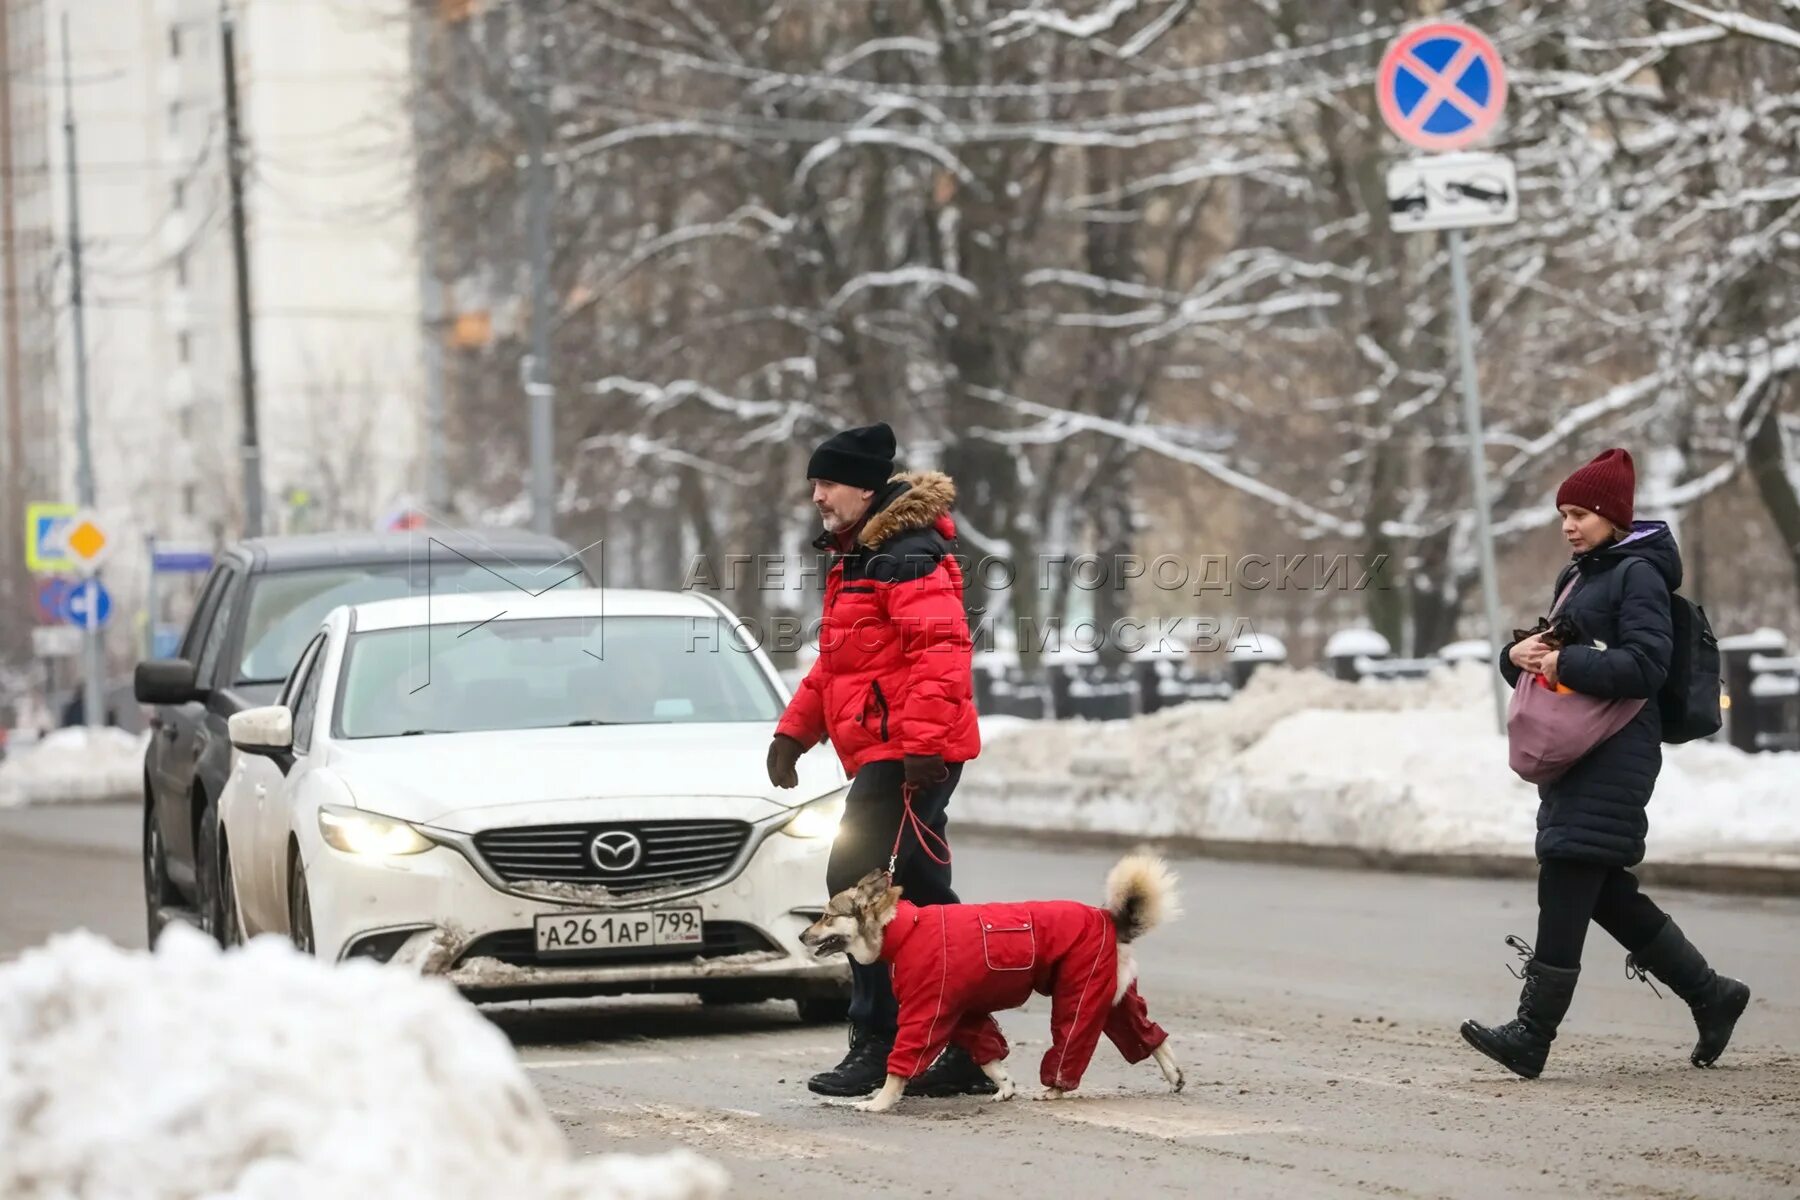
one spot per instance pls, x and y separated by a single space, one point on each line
1547 732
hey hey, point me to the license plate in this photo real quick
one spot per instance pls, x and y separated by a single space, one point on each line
597 933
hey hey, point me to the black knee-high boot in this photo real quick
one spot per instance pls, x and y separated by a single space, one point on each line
1523 1043
1717 1000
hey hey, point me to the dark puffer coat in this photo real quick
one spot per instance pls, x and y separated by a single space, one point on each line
1597 811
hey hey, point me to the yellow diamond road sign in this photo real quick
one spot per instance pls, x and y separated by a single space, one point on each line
86 540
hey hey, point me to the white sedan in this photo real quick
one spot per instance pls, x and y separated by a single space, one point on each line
530 796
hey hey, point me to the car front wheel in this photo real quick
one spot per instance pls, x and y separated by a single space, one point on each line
206 871
300 926
159 893
226 926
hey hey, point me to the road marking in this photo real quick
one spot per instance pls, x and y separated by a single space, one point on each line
1170 1126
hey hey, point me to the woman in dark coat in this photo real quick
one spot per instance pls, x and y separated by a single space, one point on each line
1592 820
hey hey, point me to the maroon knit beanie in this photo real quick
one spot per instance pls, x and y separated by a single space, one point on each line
1604 485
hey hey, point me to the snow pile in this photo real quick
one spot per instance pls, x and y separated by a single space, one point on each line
75 765
1399 767
995 726
265 1075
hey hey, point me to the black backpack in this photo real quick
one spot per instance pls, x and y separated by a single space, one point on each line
1689 698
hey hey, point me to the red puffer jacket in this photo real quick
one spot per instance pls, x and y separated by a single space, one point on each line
893 676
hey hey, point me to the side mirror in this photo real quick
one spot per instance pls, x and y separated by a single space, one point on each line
165 681
268 731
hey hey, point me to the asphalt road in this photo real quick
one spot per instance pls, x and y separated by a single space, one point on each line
1315 1012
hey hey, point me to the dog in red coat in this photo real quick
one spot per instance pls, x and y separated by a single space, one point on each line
956 964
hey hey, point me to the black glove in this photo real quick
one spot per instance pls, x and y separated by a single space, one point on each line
923 770
784 752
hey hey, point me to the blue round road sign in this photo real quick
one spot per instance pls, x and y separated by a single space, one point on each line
80 596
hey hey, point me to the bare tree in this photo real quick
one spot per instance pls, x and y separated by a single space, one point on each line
1051 243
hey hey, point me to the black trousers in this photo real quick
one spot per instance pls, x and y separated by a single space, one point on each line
1572 893
864 841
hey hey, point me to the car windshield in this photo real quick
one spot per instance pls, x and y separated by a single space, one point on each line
286 607
538 673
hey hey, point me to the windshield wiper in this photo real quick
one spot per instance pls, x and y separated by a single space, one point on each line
417 732
588 721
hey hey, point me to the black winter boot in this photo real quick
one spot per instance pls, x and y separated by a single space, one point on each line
1522 1044
953 1074
863 1070
1717 1000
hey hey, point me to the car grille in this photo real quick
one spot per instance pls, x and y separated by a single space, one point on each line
675 853
519 947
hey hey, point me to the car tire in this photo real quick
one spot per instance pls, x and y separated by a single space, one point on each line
159 893
300 927
206 871
229 929
824 1010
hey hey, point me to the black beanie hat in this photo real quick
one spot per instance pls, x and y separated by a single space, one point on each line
862 457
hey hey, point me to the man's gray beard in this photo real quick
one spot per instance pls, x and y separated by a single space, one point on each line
831 523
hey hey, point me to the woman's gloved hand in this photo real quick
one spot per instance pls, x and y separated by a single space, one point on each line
784 753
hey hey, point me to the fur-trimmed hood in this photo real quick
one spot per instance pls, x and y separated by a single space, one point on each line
926 496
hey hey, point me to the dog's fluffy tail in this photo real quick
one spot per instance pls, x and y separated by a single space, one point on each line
1140 895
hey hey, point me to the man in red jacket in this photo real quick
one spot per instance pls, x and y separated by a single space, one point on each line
893 690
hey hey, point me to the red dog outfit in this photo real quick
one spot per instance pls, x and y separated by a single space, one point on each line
954 964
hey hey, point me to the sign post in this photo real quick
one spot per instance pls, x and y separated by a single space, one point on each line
1442 87
87 543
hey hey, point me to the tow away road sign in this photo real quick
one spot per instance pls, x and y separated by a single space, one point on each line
56 641
1452 191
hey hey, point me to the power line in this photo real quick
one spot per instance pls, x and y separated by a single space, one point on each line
787 129
133 166
1204 73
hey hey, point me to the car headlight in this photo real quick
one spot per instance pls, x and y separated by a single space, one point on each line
356 832
819 819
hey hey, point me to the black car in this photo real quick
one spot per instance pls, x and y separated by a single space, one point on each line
259 607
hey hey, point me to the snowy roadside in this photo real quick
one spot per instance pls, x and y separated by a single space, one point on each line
1396 768
263 1074
75 766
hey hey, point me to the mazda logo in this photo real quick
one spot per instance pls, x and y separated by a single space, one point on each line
616 850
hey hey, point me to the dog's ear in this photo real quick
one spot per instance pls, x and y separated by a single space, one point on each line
876 889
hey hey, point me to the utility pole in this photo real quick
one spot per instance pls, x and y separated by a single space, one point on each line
234 156
14 515
431 288
14 580
93 705
537 373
